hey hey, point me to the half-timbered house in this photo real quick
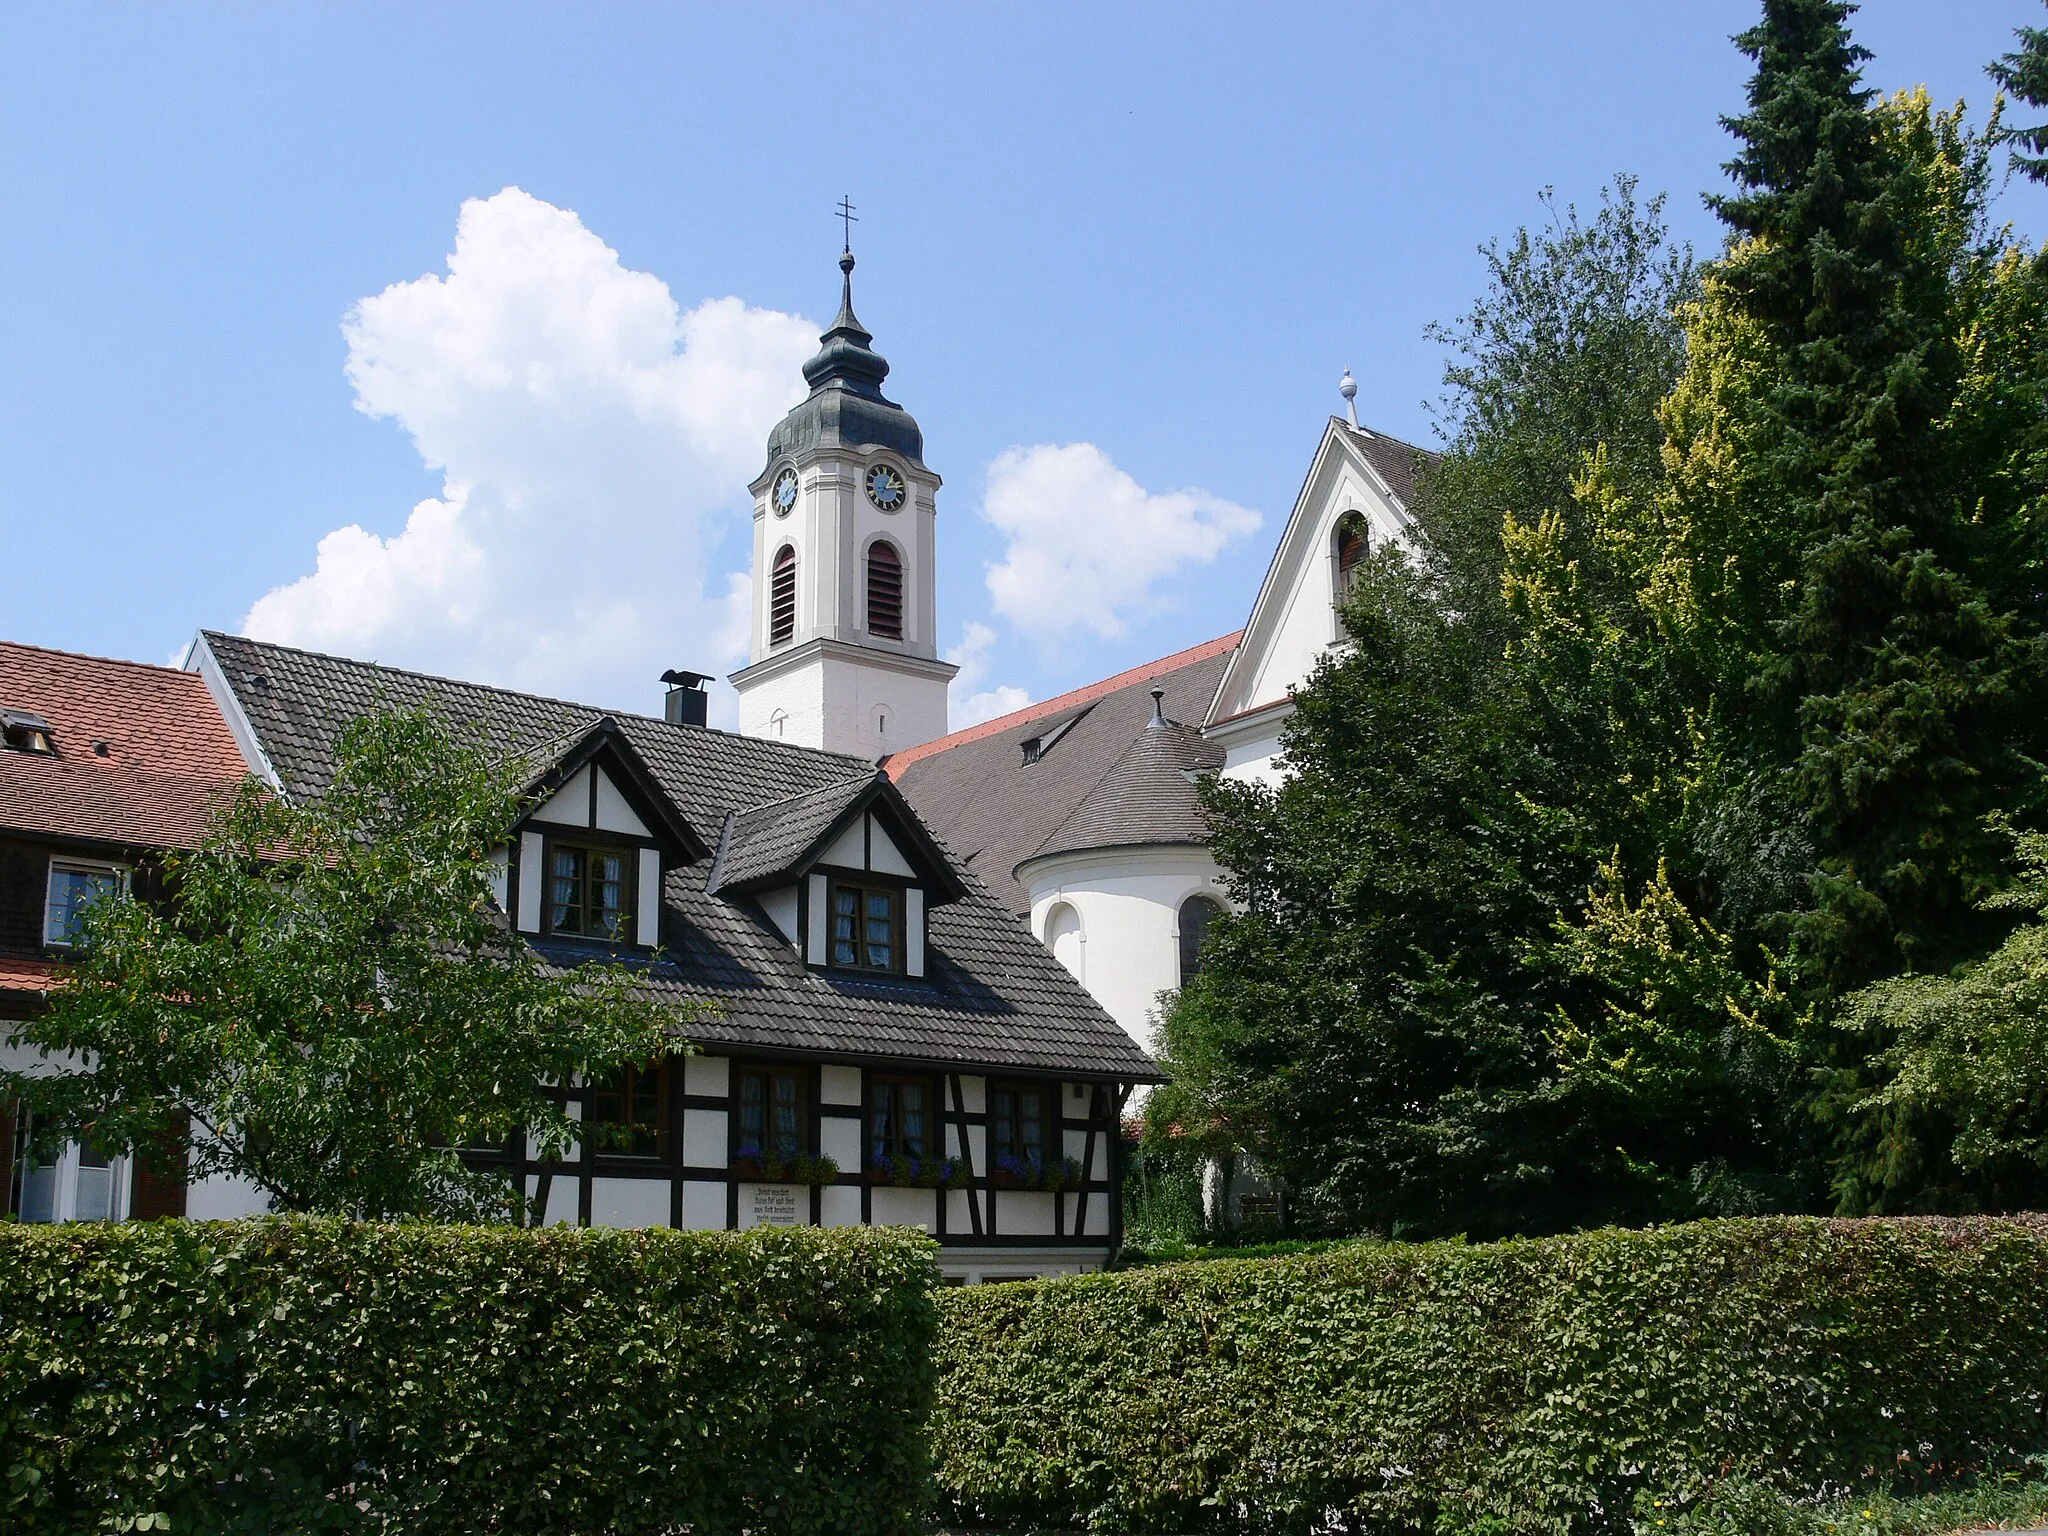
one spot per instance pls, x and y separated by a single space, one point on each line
885 1043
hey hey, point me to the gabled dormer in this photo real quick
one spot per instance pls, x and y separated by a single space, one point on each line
846 873
590 854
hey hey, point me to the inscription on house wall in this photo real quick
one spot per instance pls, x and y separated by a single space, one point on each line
775 1205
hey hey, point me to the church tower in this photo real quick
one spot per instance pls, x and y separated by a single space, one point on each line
845 650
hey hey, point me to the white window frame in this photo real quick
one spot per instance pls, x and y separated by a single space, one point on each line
63 863
64 1177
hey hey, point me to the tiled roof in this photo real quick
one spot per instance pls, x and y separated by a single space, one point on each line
767 840
1395 462
1148 798
992 996
976 791
142 755
19 975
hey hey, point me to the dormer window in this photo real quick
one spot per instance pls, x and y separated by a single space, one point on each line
867 927
590 890
26 731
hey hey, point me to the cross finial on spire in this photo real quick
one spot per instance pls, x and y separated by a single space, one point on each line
848 218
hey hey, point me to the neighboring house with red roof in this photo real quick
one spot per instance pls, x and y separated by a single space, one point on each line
104 765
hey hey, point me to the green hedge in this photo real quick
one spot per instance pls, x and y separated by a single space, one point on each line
1522 1386
288 1376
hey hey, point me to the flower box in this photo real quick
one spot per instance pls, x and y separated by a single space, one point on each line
1019 1174
769 1168
918 1172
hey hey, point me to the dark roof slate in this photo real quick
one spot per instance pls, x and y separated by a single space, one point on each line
1148 798
982 799
992 996
768 840
1396 462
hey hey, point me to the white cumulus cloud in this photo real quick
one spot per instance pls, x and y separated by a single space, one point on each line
594 440
967 702
1089 547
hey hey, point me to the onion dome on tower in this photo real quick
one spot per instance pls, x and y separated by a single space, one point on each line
846 406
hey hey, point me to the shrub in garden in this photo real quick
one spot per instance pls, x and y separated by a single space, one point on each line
287 1376
1538 1386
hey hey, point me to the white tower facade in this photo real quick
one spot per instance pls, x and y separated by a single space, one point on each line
845 651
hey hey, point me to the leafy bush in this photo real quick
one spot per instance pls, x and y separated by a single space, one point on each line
1536 1386
289 1376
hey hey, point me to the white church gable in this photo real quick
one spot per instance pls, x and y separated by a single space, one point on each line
1294 620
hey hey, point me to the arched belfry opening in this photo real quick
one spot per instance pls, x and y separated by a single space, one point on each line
1350 546
782 597
885 591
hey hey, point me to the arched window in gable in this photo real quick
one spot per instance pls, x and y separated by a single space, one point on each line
1350 548
885 591
782 596
1195 915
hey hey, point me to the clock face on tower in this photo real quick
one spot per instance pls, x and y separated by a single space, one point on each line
784 495
886 487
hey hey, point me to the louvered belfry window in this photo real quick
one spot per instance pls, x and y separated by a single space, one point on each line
885 591
1351 551
782 597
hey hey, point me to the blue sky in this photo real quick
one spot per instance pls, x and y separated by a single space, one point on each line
1160 232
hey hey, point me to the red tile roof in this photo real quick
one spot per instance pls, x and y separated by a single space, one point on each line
142 755
896 762
17 975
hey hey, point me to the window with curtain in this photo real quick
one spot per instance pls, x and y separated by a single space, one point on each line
1018 1131
782 596
885 591
899 1118
867 927
590 891
770 1117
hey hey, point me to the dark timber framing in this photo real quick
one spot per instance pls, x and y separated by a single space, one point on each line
1100 1176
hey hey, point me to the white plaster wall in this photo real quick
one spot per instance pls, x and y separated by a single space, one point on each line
1024 1213
839 1085
905 1207
781 909
839 1140
1128 902
704 1138
703 1205
839 1206
629 1202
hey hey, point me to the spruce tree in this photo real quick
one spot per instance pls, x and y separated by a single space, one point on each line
1883 681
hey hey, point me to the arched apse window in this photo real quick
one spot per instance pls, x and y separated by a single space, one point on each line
1195 915
782 596
1350 547
885 591
1063 937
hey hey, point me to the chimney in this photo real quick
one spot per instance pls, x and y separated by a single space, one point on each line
686 702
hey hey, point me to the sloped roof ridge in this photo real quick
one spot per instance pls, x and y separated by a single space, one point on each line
621 715
1387 437
896 762
105 661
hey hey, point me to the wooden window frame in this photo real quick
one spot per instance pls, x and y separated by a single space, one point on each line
662 1127
867 883
1052 1149
587 841
934 1120
769 1070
